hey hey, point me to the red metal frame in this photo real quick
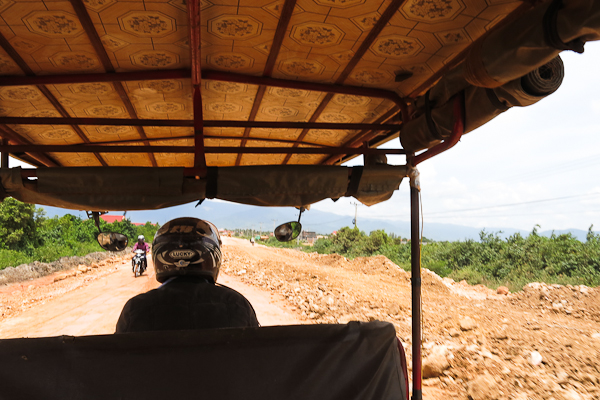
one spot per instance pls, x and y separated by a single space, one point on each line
403 366
192 123
310 86
363 136
86 148
10 135
90 78
457 131
196 57
224 137
415 251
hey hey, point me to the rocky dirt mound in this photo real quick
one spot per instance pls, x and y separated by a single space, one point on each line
17 297
577 301
476 344
38 269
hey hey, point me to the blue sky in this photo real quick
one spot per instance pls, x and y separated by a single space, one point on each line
539 164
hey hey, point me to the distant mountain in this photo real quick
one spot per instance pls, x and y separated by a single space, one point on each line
578 233
233 215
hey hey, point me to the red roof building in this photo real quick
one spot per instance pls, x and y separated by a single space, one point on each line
117 218
112 218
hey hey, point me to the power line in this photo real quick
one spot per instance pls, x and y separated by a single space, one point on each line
511 215
432 214
513 204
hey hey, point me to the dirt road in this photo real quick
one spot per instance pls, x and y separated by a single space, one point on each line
542 343
90 303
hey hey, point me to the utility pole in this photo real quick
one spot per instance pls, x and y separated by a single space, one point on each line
274 222
355 213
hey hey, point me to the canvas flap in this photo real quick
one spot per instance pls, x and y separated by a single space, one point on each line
138 188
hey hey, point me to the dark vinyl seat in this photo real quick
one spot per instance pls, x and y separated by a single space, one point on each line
341 362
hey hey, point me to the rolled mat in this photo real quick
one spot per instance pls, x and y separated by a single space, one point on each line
435 122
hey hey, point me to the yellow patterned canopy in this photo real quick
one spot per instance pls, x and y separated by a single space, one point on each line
398 46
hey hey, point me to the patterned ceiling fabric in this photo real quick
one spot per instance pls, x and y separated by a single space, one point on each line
322 43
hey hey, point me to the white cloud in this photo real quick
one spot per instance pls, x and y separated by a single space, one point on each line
595 106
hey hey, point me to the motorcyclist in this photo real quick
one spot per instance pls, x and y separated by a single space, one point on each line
187 258
252 240
141 245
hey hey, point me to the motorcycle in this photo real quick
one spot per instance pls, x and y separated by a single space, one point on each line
139 262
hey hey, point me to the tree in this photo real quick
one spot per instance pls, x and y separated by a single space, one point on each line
19 224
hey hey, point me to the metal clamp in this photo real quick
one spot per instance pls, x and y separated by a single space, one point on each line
415 178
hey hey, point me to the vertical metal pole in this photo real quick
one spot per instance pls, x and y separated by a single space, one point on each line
196 57
415 264
4 162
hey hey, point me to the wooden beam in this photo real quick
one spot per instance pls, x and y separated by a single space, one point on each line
7 47
94 38
284 20
373 34
313 118
360 137
8 134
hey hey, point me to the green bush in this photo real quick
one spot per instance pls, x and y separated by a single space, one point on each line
12 258
26 235
469 274
440 268
492 261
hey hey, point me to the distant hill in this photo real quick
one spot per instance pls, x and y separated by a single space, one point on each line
232 215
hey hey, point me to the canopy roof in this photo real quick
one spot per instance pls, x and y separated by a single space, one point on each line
238 83
105 63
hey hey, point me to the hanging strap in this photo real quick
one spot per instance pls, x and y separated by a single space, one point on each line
493 98
551 36
212 175
430 124
354 181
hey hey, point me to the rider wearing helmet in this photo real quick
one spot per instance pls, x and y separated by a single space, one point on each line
141 245
187 257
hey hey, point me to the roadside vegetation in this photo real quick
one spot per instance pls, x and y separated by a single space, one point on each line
27 235
491 260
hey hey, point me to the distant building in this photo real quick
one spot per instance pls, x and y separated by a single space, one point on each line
112 218
109 219
225 232
309 237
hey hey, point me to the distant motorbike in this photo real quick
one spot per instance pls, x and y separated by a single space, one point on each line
139 262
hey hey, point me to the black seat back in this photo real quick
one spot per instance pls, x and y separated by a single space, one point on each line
341 362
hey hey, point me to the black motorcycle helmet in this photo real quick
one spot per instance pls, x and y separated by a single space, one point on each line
187 246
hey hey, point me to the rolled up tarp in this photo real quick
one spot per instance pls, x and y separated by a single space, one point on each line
481 105
523 45
141 188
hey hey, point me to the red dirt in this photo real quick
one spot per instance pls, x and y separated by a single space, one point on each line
286 286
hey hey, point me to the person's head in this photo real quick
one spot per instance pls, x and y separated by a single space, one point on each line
141 239
187 247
